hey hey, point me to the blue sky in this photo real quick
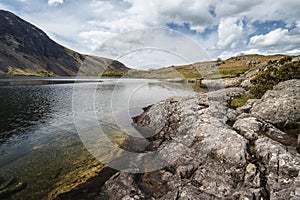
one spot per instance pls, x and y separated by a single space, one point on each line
223 28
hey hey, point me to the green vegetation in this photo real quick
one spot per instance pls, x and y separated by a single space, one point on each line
112 74
191 72
230 72
272 75
74 55
252 149
239 101
276 71
285 59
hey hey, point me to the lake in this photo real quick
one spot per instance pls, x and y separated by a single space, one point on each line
41 152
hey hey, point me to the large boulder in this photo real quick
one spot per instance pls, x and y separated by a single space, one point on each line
214 84
281 168
280 106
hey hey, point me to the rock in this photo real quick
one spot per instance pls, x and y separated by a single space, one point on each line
280 106
282 169
246 84
122 186
191 192
248 127
207 152
202 157
8 188
252 176
298 143
221 83
247 107
250 193
278 135
176 80
251 62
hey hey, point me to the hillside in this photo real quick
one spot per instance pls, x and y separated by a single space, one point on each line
229 68
27 50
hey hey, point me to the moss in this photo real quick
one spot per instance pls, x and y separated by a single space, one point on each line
252 149
272 75
239 101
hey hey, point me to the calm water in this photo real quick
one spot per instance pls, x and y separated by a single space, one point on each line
39 145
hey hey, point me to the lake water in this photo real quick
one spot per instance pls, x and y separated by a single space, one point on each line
40 149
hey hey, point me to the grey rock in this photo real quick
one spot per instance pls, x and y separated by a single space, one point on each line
247 107
282 168
214 84
280 106
251 62
208 159
298 143
278 135
252 176
246 84
248 127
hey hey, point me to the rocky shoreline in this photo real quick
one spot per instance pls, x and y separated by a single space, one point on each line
230 154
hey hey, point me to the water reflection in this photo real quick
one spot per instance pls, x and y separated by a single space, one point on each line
39 144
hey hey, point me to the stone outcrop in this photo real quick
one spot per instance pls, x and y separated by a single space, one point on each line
216 84
248 158
280 106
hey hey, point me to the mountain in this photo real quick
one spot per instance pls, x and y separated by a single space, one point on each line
27 50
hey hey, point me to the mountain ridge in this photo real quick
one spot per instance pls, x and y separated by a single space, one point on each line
27 50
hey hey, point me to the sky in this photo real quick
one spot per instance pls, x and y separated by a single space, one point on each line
221 28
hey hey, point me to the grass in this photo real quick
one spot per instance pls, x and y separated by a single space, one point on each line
239 101
112 74
252 149
232 71
229 68
189 72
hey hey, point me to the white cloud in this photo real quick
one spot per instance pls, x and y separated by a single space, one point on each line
231 8
294 52
55 2
95 38
230 32
152 45
277 41
221 27
252 51
199 29
270 39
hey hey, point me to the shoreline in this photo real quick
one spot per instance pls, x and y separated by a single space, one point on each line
240 149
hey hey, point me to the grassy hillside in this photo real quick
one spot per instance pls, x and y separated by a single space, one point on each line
209 70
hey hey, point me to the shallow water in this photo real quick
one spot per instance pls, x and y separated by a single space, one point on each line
39 142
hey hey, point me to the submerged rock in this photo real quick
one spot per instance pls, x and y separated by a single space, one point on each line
10 187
